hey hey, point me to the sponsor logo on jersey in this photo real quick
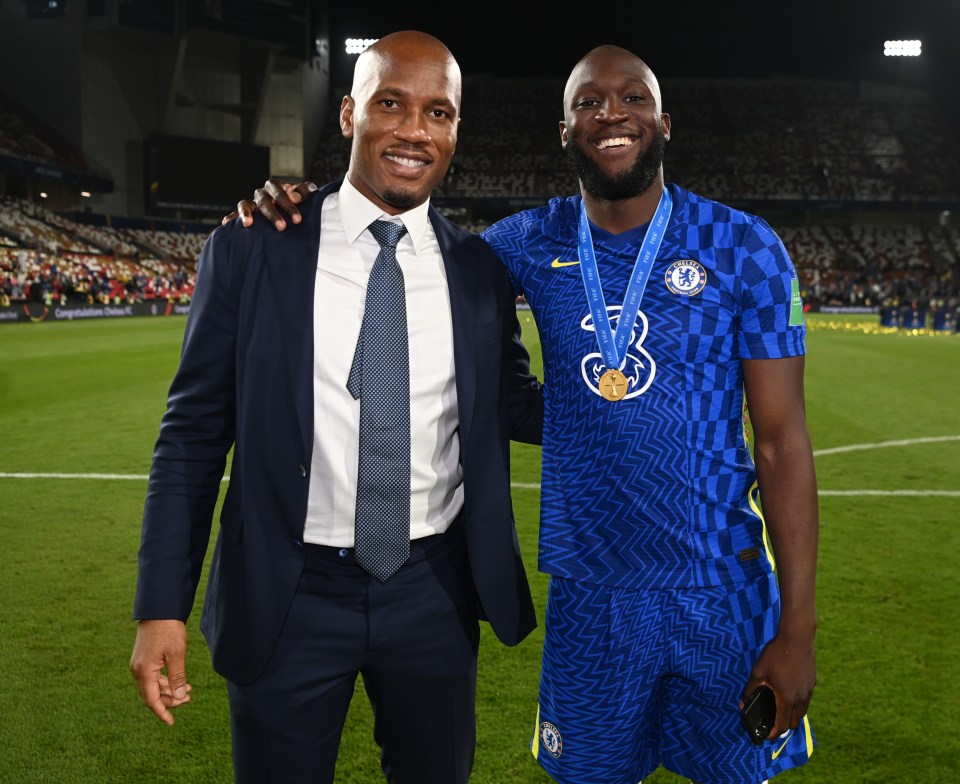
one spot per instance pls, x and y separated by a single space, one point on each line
687 277
557 264
550 739
786 739
637 366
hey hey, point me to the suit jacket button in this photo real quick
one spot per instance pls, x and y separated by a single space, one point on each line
303 470
297 544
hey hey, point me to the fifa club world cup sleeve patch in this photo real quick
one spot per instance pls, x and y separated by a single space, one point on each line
796 304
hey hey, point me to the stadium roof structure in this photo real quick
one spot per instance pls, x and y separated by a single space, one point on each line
30 150
817 39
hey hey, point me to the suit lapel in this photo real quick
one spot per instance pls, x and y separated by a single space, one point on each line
291 262
463 317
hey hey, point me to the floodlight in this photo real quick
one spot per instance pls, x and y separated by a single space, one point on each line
901 48
357 45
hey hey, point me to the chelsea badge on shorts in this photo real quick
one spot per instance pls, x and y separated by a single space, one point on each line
550 739
686 277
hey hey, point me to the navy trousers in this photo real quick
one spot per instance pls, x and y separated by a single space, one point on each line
414 642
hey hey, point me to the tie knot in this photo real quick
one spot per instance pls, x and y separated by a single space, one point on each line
386 233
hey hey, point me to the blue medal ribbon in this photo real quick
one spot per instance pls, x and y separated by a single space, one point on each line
613 347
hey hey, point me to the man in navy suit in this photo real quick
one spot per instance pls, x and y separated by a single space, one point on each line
290 618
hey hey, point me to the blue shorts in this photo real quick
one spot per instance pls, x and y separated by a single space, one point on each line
632 680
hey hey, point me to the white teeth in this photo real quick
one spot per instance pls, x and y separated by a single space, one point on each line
412 162
620 141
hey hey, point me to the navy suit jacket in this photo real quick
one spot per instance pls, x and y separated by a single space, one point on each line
245 381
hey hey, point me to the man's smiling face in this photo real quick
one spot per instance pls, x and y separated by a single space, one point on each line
613 130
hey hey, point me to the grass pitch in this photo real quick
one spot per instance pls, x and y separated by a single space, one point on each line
79 408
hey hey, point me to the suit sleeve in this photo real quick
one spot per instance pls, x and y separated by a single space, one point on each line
525 390
196 434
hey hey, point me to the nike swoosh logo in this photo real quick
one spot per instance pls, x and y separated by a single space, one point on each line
782 746
557 263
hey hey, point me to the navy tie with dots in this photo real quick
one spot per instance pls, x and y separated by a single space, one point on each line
380 379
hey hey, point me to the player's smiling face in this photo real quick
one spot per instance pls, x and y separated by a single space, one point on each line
613 130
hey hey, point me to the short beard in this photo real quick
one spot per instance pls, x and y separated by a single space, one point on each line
623 185
401 198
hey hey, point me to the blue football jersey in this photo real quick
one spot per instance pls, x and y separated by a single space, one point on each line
657 488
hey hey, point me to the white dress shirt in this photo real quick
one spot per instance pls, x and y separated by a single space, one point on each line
347 253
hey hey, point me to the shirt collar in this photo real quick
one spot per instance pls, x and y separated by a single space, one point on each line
357 212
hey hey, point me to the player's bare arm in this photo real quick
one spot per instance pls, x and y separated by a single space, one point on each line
788 496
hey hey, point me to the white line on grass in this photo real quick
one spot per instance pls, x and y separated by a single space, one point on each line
122 477
536 485
944 493
882 444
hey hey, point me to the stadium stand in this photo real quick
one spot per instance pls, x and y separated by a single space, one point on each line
865 207
29 149
50 258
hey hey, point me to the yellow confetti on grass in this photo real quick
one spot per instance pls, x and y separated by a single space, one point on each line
868 328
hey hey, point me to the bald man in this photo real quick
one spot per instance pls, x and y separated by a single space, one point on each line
291 615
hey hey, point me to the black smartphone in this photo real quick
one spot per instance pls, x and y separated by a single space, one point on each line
759 714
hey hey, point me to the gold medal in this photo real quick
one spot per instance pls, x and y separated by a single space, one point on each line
613 385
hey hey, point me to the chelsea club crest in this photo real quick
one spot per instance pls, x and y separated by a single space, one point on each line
550 739
686 277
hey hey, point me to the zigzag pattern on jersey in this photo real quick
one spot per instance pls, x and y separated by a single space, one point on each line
589 684
633 680
663 497
703 674
616 510
709 673
598 493
650 514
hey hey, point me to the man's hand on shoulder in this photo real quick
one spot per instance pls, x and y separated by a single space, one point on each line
274 200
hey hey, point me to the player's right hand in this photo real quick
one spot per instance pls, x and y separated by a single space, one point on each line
273 200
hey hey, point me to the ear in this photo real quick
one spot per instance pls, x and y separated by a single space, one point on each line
563 134
346 117
456 131
665 120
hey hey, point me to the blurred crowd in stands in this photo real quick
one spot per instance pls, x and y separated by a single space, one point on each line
863 187
781 141
45 257
848 179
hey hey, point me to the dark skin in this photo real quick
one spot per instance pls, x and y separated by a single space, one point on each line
401 116
612 109
788 493
612 114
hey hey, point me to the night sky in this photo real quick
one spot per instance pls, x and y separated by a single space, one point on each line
840 40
